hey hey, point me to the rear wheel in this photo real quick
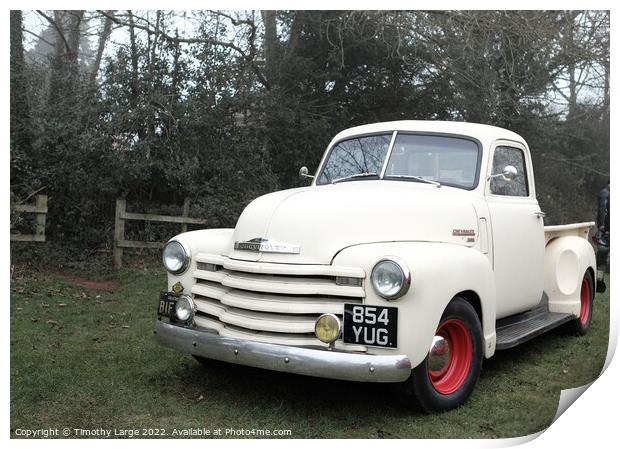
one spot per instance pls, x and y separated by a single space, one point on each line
582 324
448 374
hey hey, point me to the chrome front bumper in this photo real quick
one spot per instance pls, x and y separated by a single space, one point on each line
289 359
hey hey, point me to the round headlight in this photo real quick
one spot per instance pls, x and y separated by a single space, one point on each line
175 257
184 309
327 328
390 278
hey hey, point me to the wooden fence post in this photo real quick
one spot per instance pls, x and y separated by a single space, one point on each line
119 228
40 217
185 214
119 233
40 211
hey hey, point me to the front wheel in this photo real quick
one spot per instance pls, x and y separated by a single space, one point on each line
448 374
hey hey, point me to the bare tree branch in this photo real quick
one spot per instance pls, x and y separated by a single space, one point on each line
210 41
59 30
51 44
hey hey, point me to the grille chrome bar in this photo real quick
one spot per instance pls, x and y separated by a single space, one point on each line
279 284
267 337
273 322
272 303
282 269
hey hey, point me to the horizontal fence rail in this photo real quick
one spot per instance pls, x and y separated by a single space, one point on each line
119 228
40 209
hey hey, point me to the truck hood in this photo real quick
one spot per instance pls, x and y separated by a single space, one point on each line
320 221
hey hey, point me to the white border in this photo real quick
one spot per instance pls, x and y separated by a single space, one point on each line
589 421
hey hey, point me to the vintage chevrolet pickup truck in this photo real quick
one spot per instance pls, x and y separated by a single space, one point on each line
418 251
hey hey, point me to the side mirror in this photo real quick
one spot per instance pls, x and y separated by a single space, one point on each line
508 174
303 173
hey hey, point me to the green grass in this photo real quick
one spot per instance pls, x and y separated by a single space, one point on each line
92 363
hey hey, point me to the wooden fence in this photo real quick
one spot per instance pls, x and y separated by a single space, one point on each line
119 228
40 209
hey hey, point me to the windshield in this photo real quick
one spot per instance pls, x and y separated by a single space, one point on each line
446 160
442 160
361 155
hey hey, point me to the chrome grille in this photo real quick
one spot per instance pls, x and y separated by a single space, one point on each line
268 302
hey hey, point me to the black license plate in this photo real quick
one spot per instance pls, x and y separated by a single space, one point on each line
370 325
167 303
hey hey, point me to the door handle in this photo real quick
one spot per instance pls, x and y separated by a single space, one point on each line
540 214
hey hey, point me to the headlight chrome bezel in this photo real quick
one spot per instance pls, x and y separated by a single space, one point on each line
405 275
186 261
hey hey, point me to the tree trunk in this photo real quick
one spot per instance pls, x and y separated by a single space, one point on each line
105 34
295 34
134 61
569 48
270 45
62 47
20 137
606 103
153 46
75 19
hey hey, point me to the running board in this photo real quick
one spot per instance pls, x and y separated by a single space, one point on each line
517 329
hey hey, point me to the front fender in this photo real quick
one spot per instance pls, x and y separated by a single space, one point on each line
439 272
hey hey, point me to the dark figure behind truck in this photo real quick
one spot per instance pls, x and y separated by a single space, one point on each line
602 236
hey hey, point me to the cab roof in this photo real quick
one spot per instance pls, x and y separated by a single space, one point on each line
484 133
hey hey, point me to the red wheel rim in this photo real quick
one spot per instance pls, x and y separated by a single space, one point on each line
586 298
452 376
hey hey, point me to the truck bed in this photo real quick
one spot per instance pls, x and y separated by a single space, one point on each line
576 229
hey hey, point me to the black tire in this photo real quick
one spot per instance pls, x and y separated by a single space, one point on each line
581 325
448 388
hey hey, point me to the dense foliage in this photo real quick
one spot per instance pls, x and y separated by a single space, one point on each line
232 108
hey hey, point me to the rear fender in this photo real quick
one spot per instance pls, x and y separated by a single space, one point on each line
566 261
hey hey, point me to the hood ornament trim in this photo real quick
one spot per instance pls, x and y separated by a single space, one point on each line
262 245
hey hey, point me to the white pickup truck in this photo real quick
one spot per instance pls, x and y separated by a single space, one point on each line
418 251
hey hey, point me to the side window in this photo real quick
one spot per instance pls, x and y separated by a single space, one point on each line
502 157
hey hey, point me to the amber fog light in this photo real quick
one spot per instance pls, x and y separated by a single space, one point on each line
327 328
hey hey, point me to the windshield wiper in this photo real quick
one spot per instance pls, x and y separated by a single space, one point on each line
356 175
415 178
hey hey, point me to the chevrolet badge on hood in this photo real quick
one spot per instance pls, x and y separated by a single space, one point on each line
267 246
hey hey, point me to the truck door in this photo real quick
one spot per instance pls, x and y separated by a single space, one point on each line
517 231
